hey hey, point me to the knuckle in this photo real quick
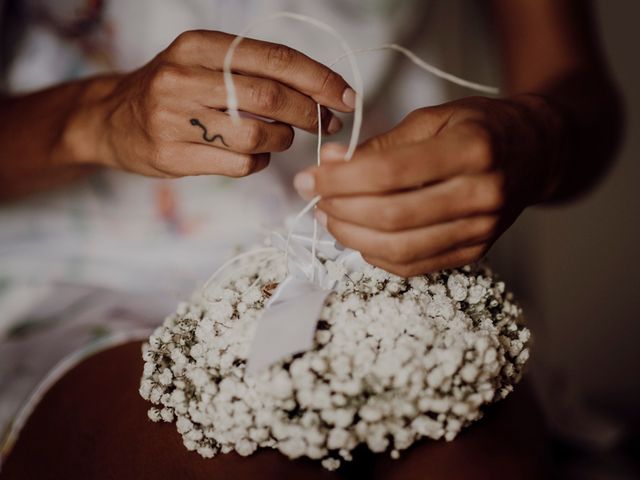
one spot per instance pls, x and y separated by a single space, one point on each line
462 198
156 121
397 252
166 77
387 174
380 143
490 228
310 118
161 160
326 81
253 137
184 42
480 149
472 255
487 227
245 166
418 113
495 196
267 96
279 57
391 217
404 271
153 123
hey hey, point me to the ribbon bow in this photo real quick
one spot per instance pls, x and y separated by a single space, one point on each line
288 323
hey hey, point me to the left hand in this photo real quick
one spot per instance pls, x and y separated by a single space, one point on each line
436 191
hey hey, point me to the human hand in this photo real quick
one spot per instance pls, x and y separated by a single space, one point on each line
165 119
436 191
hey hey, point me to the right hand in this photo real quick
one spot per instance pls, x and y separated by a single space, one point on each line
153 120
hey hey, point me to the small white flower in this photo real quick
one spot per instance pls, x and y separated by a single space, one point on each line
331 464
392 354
154 415
166 414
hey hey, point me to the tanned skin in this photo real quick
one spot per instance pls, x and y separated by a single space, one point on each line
434 192
93 424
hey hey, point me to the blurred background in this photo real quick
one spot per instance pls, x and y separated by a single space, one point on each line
581 289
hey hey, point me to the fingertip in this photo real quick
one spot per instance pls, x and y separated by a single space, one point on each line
304 183
262 162
335 125
333 152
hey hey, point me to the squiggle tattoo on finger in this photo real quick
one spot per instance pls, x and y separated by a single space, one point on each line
196 123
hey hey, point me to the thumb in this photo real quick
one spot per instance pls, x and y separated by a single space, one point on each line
335 152
417 126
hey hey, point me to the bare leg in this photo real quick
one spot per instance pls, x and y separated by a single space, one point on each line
93 425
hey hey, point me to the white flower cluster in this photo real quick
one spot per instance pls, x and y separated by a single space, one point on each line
394 360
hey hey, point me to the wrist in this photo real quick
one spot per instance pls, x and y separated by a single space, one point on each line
542 117
81 141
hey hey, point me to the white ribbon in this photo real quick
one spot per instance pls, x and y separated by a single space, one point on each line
288 323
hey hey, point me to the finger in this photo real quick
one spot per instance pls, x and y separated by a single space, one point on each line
268 60
445 201
200 87
177 159
451 259
451 154
412 245
211 127
416 127
274 100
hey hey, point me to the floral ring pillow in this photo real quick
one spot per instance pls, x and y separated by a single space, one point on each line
303 347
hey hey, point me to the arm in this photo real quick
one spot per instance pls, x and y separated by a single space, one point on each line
165 119
571 76
34 151
437 190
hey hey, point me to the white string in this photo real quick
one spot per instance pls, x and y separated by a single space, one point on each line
232 260
315 220
425 66
232 98
295 221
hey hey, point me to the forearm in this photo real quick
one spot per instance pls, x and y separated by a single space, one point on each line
585 113
554 68
48 138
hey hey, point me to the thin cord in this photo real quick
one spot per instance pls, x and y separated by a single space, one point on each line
425 66
232 98
315 220
232 260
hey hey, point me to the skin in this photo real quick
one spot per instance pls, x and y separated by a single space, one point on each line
165 119
93 424
432 193
438 189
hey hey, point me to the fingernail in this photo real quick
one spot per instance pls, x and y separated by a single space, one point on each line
322 218
349 97
332 152
304 183
334 125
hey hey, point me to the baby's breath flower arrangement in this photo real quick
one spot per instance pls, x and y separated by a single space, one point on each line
394 360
